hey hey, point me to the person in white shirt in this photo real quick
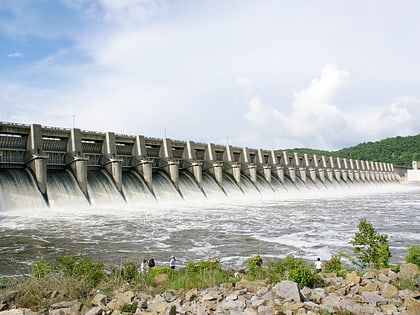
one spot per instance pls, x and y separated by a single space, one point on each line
172 262
318 265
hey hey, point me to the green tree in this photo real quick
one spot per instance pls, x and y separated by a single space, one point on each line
370 248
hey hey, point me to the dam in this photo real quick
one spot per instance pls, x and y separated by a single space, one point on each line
45 167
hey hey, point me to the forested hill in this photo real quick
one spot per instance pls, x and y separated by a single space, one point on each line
398 150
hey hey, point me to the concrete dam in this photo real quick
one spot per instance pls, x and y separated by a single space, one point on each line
49 167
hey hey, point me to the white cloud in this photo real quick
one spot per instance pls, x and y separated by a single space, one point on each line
15 55
139 66
314 119
316 122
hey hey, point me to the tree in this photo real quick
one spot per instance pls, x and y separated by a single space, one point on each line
370 248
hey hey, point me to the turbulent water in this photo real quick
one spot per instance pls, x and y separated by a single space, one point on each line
316 222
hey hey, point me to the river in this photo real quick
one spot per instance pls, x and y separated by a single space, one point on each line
308 225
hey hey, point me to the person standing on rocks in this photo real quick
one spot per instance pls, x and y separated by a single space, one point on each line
143 266
172 262
151 263
318 265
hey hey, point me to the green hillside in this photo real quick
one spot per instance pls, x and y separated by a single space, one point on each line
398 150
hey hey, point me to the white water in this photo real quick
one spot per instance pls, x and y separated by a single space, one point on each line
307 223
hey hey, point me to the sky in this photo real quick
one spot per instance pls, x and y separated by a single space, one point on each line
269 74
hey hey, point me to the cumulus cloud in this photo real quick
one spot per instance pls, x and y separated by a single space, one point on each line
128 12
139 66
316 122
313 117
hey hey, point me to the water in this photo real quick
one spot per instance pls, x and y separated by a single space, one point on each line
305 222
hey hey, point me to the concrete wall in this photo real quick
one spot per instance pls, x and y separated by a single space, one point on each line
413 176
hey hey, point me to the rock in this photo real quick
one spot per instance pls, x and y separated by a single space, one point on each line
233 296
231 306
388 309
383 278
158 307
120 300
64 304
317 295
408 270
331 302
170 295
413 306
294 307
349 305
98 310
369 275
371 287
392 275
287 289
251 286
408 293
373 298
20 311
249 311
98 299
170 310
256 301
191 294
267 309
353 277
61 311
389 291
211 295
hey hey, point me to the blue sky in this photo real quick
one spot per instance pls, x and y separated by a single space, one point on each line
262 74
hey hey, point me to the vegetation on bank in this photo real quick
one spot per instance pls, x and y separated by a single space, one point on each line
76 277
398 151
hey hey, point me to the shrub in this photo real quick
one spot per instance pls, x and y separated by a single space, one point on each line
254 268
370 248
84 270
128 272
129 308
333 265
413 255
291 268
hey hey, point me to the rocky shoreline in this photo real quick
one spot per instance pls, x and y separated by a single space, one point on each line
374 292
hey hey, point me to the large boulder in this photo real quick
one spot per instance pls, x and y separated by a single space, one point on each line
287 289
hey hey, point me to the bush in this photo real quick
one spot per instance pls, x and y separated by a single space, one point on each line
291 268
129 308
89 273
370 248
413 255
254 268
333 265
128 272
